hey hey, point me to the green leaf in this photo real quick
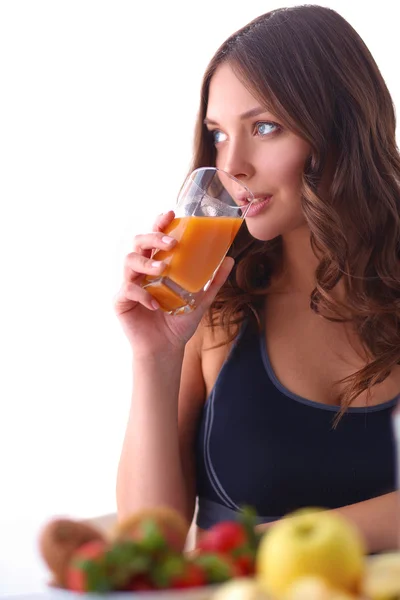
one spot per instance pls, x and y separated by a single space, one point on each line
122 552
126 559
153 539
97 579
216 569
166 569
248 518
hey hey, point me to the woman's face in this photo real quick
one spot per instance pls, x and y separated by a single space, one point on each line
253 146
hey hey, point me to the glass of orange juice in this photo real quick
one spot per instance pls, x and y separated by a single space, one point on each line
210 210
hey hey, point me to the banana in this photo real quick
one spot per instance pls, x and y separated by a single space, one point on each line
382 577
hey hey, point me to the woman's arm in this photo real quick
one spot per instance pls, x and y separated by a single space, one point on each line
378 519
157 460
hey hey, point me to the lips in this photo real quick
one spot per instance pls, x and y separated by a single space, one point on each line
258 205
243 199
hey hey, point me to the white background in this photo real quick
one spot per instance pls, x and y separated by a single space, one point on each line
97 105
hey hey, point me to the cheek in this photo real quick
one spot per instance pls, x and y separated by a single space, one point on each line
286 165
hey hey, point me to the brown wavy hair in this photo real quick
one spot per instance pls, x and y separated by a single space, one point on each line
311 69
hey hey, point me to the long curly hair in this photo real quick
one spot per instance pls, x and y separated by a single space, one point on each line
310 68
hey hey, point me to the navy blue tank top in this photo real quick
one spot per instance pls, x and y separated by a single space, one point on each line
259 444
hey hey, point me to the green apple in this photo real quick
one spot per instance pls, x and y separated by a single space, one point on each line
311 543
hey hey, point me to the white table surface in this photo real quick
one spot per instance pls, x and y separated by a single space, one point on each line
22 570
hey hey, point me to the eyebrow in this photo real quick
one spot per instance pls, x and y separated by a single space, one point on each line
253 112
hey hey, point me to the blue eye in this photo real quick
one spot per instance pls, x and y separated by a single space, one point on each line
218 136
266 127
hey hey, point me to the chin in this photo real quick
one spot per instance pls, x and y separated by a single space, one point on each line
261 232
265 232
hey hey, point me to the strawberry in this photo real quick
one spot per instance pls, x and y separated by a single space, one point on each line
150 536
239 540
140 583
244 559
86 571
192 576
96 567
177 572
125 561
223 537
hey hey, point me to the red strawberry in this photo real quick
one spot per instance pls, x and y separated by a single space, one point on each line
245 563
223 537
125 561
193 576
140 583
88 555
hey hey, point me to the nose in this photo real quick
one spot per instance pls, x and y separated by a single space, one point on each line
235 160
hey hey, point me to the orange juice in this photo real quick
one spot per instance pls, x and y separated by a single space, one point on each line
202 244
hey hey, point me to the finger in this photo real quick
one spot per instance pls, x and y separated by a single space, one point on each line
163 220
219 279
153 241
130 295
137 264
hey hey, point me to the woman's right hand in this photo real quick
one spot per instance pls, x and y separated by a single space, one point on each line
149 329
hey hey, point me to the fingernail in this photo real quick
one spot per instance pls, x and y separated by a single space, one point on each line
156 264
168 240
155 304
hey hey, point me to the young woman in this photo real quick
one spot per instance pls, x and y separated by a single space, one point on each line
278 390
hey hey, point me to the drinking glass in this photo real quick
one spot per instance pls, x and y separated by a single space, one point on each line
210 210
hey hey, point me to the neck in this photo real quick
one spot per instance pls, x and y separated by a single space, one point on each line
299 262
